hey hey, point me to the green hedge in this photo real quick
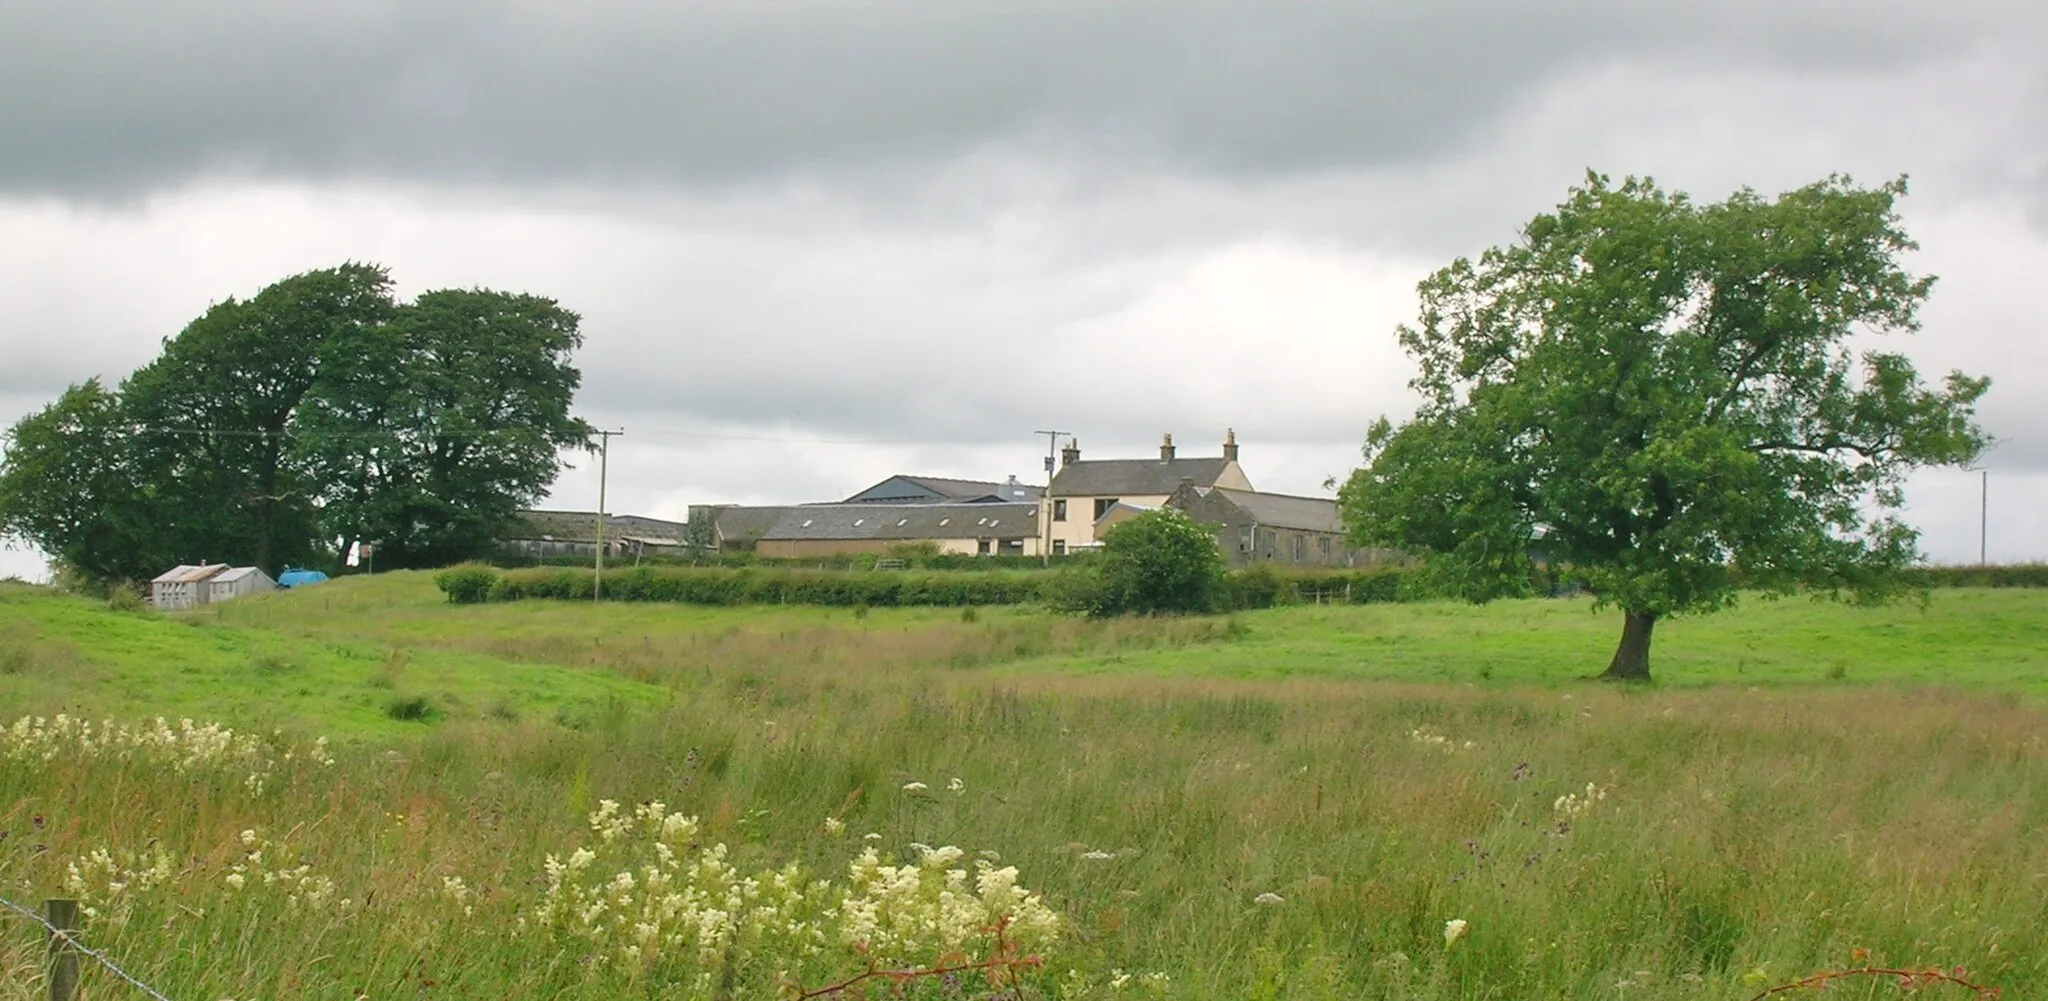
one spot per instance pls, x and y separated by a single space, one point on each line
1258 587
2013 575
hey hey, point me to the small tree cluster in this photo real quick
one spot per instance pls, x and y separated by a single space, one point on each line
1158 562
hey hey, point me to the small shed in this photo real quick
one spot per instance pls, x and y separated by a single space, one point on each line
183 586
236 582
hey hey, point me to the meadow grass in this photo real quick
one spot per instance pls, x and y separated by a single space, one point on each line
1734 835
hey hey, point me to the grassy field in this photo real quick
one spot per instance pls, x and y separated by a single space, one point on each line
1811 781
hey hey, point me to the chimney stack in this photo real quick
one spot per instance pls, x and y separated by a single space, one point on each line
1070 454
1166 449
1230 445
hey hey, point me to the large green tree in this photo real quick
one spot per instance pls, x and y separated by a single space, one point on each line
430 432
214 416
317 409
1663 400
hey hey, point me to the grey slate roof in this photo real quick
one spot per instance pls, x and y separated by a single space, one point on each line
907 522
1134 477
1313 514
904 489
746 524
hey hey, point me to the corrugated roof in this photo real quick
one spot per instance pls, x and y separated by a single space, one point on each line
1312 514
581 526
233 574
189 573
1134 477
906 522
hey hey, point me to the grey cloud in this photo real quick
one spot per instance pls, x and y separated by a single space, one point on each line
101 96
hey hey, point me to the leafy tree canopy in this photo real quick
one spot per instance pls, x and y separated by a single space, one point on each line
318 409
1662 398
1159 561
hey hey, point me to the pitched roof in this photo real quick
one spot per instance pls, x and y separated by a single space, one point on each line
906 522
1135 477
189 573
902 489
233 574
1312 514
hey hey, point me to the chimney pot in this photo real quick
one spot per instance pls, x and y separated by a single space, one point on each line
1166 448
1070 454
1230 445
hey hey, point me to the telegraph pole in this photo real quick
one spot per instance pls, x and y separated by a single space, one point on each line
604 452
1983 514
1052 439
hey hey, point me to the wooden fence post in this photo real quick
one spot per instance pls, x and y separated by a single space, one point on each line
63 915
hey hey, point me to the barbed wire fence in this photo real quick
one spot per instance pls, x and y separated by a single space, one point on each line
63 978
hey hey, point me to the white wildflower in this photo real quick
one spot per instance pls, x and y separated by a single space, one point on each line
1097 856
1454 929
915 787
1269 899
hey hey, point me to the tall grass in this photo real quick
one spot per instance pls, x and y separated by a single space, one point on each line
1734 836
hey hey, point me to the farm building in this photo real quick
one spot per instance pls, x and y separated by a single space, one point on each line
541 534
235 582
183 586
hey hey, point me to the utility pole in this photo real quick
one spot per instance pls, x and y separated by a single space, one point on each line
1983 514
604 452
1052 444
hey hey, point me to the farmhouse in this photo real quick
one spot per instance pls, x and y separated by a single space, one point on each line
977 528
1086 491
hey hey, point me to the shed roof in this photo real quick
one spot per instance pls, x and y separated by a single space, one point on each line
907 522
233 574
734 523
187 573
1311 514
1135 477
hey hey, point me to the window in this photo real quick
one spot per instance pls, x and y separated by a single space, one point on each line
1059 547
1059 510
1326 545
807 522
981 547
857 522
1300 548
1244 538
1102 506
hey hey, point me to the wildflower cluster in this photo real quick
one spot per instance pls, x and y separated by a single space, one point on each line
1422 736
270 866
647 896
108 882
1573 804
906 913
184 747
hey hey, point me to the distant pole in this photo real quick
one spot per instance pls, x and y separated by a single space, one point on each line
62 915
604 453
1052 439
1983 515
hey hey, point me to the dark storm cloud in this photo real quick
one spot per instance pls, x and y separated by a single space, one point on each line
104 97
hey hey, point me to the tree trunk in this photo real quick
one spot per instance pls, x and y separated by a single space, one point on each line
1632 658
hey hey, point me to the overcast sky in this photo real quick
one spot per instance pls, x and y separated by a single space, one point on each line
818 242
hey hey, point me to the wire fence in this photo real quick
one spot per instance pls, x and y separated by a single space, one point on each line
70 939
